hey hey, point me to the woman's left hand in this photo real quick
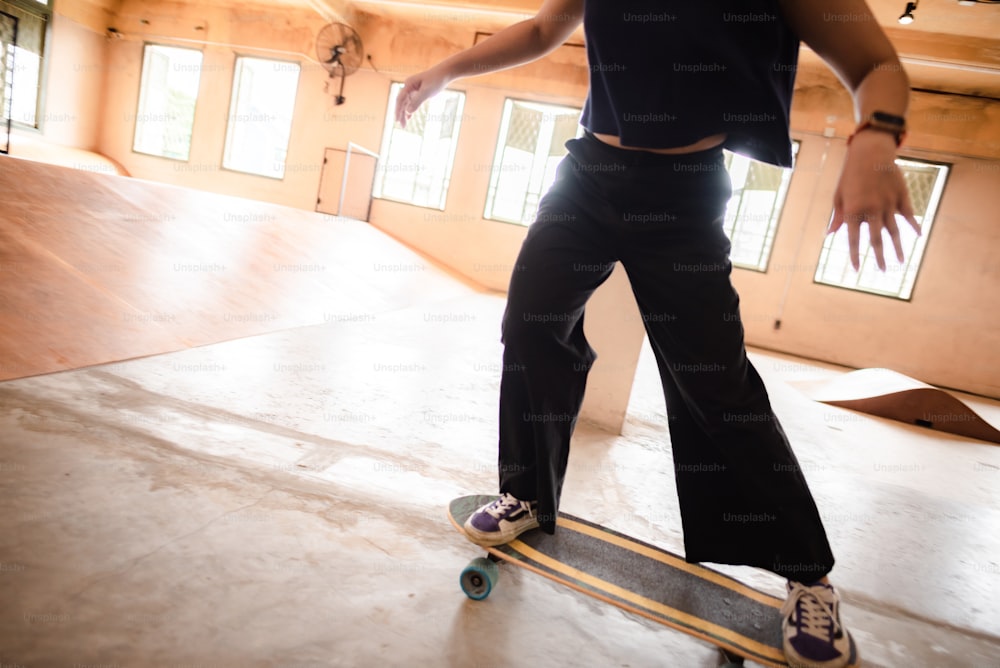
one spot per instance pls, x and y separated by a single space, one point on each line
871 190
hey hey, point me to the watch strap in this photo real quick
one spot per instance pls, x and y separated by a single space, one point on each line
897 131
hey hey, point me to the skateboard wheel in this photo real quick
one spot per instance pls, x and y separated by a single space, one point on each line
479 578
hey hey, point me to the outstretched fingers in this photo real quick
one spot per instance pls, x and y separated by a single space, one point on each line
838 217
889 223
403 107
854 241
853 223
905 207
878 225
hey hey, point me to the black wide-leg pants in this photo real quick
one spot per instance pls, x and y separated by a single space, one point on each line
743 497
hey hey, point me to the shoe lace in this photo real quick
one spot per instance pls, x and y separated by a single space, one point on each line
502 506
815 616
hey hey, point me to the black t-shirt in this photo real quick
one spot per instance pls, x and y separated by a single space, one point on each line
665 74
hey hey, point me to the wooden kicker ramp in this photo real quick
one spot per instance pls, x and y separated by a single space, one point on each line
892 395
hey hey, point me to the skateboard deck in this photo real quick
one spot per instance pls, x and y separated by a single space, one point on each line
741 621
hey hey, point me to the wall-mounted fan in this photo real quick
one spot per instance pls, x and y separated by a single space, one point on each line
339 50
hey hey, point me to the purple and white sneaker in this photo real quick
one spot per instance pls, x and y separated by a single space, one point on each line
814 636
501 521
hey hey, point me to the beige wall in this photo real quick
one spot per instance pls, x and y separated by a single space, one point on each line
955 308
947 334
954 312
74 83
230 32
459 236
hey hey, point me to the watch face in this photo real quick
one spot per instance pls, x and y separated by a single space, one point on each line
890 119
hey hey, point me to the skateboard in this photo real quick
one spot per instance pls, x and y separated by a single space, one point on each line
742 622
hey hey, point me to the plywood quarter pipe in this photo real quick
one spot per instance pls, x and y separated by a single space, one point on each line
892 395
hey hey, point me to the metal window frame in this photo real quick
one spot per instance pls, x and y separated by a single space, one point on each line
5 99
949 168
138 100
488 213
44 12
378 185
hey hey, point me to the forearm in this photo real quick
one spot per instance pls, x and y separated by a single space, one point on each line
859 52
515 45
886 88
518 44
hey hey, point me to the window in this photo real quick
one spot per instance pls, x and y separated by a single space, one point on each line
24 94
753 211
260 116
168 90
8 34
417 161
925 182
531 145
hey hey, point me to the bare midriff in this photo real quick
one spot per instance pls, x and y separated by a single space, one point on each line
700 145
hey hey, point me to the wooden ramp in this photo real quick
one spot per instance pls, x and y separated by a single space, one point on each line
98 268
892 395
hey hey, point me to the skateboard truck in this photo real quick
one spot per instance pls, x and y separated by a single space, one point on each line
730 660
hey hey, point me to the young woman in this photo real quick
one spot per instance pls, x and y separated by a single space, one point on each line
671 85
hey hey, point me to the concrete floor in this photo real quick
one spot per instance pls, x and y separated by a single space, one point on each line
279 501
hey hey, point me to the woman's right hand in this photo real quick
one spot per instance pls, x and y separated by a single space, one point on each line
417 89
